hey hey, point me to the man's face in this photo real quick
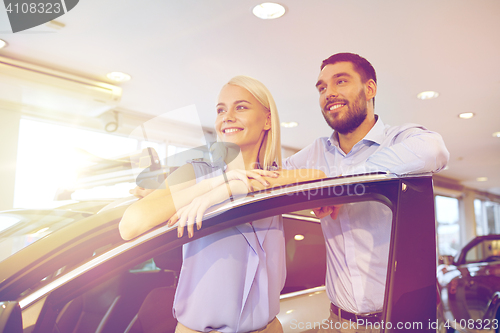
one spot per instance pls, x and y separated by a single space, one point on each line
342 97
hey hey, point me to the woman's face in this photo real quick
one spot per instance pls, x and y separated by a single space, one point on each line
241 119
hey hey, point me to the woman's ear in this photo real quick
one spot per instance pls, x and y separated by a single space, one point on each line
267 125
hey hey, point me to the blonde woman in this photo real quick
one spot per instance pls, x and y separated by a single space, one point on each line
230 281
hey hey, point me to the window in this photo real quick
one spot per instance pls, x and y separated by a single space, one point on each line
448 228
487 217
49 156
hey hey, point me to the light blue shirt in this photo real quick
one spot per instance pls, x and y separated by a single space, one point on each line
357 242
230 281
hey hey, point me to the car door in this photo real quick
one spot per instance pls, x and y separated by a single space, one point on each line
409 295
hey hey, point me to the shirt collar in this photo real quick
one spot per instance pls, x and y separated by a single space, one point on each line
376 134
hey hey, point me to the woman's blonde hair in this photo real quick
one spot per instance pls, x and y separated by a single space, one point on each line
272 138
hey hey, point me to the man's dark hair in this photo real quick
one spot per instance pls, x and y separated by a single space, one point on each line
360 64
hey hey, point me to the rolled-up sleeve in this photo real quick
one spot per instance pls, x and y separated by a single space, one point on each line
414 151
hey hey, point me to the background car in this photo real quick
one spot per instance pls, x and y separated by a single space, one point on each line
470 286
83 277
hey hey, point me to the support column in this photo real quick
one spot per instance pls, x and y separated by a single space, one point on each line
9 135
467 217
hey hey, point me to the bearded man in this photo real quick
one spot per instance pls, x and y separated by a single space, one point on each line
357 235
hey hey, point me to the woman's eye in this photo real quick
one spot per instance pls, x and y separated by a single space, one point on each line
241 107
219 110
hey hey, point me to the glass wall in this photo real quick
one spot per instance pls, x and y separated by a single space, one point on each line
447 225
50 156
487 217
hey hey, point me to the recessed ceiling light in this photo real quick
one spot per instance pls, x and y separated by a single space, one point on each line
496 134
482 179
299 237
289 124
2 43
268 10
466 115
427 95
118 76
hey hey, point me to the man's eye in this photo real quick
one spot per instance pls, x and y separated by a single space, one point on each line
341 81
220 110
321 89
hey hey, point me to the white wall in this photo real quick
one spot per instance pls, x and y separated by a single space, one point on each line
9 132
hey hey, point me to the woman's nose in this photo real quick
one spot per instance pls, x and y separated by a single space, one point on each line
228 116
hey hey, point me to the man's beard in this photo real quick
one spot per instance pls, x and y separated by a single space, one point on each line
351 119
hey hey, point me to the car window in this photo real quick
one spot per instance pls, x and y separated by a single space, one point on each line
22 228
85 253
485 251
305 252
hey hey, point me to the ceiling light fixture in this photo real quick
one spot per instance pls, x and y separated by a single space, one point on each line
118 76
289 124
298 237
482 179
428 95
496 134
466 115
268 10
2 43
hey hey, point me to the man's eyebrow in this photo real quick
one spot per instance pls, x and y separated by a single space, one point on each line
334 76
341 74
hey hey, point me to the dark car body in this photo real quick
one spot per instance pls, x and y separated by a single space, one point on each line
84 278
470 286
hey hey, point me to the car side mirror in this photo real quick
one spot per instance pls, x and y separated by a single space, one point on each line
11 320
446 260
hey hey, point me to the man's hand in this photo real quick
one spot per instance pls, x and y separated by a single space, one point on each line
333 211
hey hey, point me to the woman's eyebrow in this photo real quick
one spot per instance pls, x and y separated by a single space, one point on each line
242 101
235 102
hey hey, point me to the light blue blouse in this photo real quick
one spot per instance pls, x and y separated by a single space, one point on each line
230 281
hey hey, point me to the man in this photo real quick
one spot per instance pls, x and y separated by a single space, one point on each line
357 235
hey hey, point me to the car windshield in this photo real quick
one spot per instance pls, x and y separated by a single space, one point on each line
19 229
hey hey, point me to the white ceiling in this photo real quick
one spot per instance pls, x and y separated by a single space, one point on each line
180 53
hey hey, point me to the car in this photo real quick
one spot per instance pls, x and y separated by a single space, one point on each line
82 277
470 286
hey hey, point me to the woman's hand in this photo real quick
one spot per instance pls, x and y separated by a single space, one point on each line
194 211
191 214
244 176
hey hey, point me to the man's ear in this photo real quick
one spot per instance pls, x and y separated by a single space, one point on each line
370 89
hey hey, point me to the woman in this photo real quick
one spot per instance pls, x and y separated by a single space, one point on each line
230 281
